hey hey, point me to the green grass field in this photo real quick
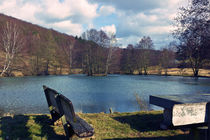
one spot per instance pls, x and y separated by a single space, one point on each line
137 125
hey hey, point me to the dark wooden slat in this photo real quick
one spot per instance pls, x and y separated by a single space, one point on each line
67 108
53 103
62 107
162 102
208 112
80 127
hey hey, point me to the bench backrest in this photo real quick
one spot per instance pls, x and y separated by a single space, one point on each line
64 109
81 128
52 100
67 109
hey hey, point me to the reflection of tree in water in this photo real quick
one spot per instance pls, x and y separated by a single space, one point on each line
1 111
143 105
91 108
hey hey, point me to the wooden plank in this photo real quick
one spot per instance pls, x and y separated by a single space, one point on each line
188 114
53 103
60 106
162 101
67 108
208 114
80 127
168 101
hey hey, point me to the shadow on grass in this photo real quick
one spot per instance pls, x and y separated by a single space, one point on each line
14 127
46 129
21 127
142 123
146 123
178 137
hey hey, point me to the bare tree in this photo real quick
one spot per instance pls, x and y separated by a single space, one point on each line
167 58
110 51
99 37
193 32
145 45
11 44
68 51
102 39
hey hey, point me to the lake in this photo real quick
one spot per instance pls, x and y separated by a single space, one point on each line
93 94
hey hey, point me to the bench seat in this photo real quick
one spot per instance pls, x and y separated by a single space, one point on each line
82 128
61 107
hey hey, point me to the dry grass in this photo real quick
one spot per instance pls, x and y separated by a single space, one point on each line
180 72
138 125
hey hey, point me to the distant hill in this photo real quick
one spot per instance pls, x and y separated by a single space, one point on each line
47 51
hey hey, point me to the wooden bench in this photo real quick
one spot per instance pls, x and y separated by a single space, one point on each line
53 103
62 107
185 111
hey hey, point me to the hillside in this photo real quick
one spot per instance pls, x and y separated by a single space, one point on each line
46 51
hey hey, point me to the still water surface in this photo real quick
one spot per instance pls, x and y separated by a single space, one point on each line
93 94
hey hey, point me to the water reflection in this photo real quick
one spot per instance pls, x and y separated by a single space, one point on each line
1 111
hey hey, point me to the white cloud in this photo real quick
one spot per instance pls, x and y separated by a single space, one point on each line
156 23
90 26
145 18
137 18
83 10
159 29
106 10
68 27
52 13
80 11
24 11
56 9
134 5
137 24
128 40
134 18
109 29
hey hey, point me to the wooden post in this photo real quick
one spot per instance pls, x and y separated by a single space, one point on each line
167 116
208 115
202 133
110 110
69 132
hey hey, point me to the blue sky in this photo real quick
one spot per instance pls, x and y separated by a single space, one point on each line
130 20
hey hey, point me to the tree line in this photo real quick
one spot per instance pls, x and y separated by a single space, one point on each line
41 52
33 50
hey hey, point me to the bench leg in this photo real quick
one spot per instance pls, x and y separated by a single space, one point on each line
55 116
199 133
208 133
208 115
167 115
68 131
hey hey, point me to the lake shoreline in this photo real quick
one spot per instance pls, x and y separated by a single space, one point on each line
94 94
187 72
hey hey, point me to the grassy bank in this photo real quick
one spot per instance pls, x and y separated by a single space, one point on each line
181 72
138 125
151 71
